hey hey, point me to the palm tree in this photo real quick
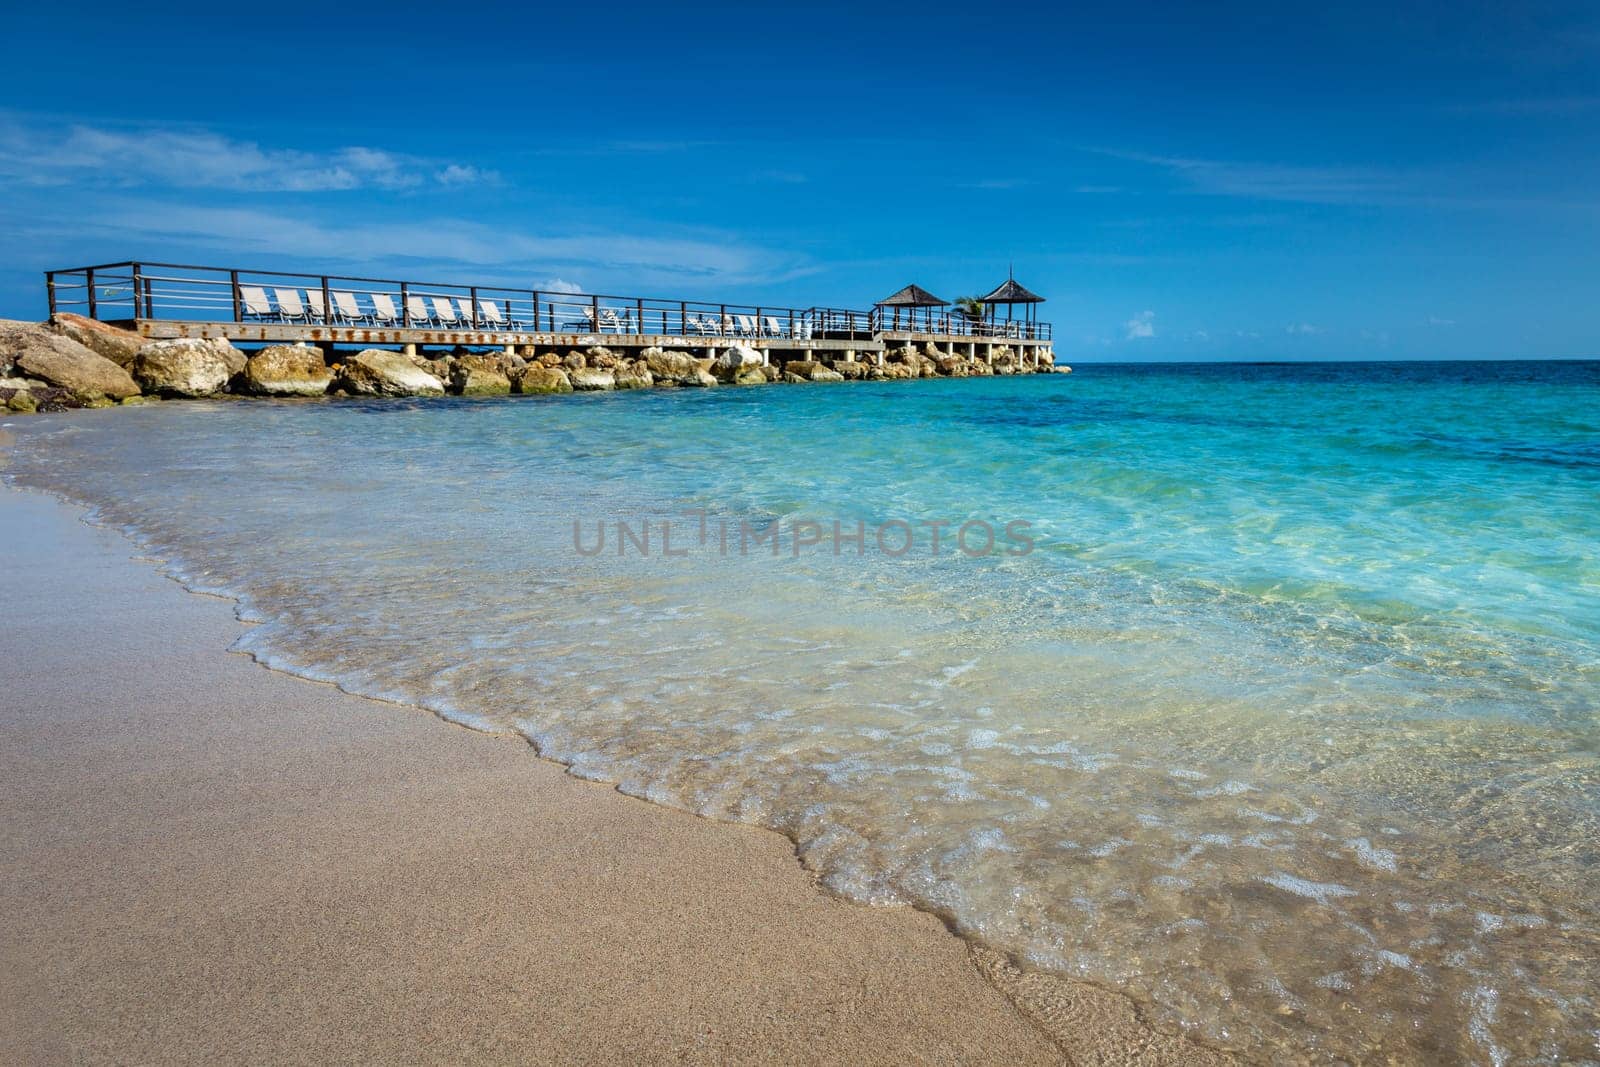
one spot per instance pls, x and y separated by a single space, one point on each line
970 308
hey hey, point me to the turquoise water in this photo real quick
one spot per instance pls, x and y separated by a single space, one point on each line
1276 708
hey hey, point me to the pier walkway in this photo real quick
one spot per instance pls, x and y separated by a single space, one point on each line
166 300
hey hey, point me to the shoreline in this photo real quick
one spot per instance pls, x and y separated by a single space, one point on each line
826 979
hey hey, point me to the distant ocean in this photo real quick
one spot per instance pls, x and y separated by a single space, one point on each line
1273 702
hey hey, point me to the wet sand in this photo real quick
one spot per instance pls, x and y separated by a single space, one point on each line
204 860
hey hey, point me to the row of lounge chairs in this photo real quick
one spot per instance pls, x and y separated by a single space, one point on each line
307 305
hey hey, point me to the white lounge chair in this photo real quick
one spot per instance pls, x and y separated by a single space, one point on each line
289 305
489 315
747 325
314 304
774 328
584 321
609 321
727 324
383 309
346 308
464 311
417 311
254 302
444 311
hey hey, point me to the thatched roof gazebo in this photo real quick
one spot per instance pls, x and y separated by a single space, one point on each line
1010 294
911 298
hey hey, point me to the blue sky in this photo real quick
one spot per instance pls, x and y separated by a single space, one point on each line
1223 181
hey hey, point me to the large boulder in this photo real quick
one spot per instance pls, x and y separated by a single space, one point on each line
538 378
32 351
116 344
592 379
575 361
672 368
479 375
811 371
727 367
601 357
286 370
377 372
750 376
186 367
850 369
635 375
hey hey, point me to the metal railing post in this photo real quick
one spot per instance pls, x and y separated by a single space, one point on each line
474 298
594 313
137 279
238 310
89 276
327 302
535 295
50 291
405 304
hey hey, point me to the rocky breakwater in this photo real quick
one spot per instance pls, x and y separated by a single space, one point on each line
78 362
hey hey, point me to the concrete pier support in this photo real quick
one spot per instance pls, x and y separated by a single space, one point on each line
410 350
988 353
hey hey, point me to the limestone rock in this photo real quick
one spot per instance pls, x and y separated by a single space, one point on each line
677 368
592 379
772 371
794 379
286 370
726 367
378 372
32 351
480 375
811 371
550 359
116 344
750 376
184 367
1062 368
539 378
635 375
600 356
575 361
22 403
850 369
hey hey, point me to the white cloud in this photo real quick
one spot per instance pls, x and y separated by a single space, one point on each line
1141 326
496 254
1273 181
558 285
1434 320
1198 335
1302 329
203 159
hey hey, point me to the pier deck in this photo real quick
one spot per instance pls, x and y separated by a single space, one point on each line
162 300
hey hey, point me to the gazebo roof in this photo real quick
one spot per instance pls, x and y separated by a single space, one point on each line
1012 293
913 296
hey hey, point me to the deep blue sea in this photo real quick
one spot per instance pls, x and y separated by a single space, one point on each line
1265 693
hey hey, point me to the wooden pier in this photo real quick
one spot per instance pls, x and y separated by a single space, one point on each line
164 300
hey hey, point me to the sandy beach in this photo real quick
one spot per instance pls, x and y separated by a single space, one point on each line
204 860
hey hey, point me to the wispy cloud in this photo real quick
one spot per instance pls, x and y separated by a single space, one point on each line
38 154
1434 320
492 252
1545 105
1141 326
1271 181
1303 329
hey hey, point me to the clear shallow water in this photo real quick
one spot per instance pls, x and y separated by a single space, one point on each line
1287 726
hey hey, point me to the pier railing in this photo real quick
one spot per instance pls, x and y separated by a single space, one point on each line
138 291
955 324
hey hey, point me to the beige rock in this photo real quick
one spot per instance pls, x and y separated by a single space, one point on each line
29 350
114 343
677 368
480 375
539 378
286 370
378 372
574 361
592 379
634 376
183 367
